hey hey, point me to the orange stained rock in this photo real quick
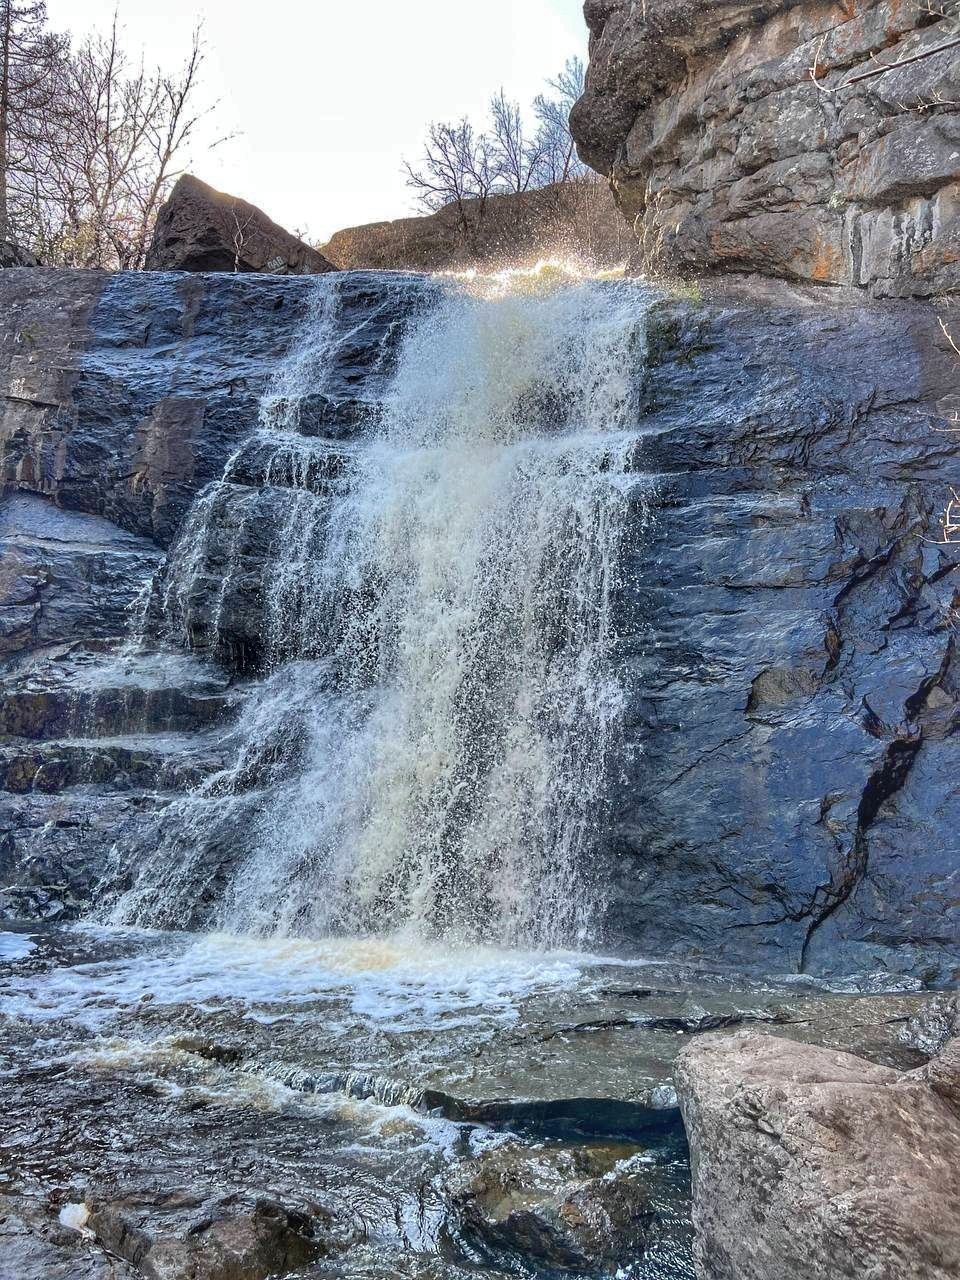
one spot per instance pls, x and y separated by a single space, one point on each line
827 266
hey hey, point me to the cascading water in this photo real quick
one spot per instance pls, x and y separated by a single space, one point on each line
432 743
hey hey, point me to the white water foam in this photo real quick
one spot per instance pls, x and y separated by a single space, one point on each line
14 946
452 739
396 984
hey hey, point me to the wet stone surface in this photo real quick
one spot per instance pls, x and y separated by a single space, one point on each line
217 1108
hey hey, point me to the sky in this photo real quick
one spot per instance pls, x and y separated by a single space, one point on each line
328 97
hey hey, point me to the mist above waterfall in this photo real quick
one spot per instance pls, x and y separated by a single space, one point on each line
435 730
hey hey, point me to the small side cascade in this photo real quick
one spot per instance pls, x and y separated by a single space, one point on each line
428 749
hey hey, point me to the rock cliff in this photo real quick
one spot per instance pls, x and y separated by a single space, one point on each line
807 139
786 795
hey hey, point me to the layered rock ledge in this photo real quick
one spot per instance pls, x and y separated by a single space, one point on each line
796 138
787 798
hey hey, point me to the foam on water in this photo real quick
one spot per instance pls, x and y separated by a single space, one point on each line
14 946
397 984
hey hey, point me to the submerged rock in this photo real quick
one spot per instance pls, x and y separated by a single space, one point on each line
566 1208
35 1246
811 1163
179 1238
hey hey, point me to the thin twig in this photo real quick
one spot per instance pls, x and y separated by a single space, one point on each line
947 334
876 71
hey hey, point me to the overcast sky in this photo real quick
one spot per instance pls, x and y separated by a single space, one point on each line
328 96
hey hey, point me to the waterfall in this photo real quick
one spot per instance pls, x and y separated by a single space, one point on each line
433 740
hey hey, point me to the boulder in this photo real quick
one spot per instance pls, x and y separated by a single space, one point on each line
35 1246
796 139
566 1208
12 255
178 1237
200 229
808 1163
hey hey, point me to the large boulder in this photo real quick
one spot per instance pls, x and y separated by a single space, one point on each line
808 1163
178 1238
808 141
12 255
200 229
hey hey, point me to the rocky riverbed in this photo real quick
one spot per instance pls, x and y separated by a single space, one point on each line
185 1106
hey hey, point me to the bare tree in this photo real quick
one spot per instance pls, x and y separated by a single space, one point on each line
558 160
28 54
515 157
457 169
240 234
113 147
90 140
463 166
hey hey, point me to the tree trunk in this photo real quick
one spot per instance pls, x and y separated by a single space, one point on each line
6 18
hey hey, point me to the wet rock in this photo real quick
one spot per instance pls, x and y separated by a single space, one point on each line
564 1208
797 677
785 631
770 137
200 229
808 1162
123 395
175 1238
65 574
34 1246
54 848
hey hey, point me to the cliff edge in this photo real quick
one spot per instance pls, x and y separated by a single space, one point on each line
812 141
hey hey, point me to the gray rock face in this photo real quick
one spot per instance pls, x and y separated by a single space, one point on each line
785 798
12 255
796 139
810 1163
200 229
791 750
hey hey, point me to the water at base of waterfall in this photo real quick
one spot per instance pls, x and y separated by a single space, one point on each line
412 1110
432 739
176 1082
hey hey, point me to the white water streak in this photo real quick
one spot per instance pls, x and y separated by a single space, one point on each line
457 732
